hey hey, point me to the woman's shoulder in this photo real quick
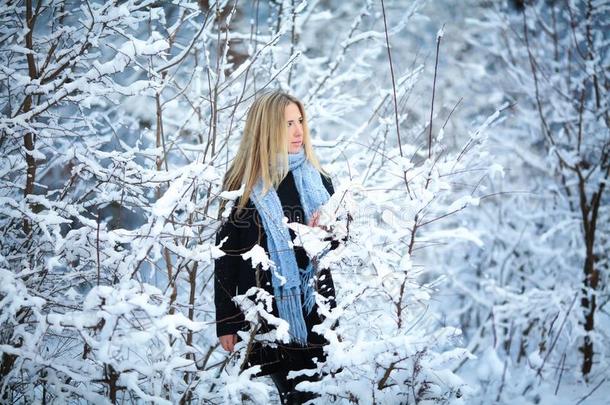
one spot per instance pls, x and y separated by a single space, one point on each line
238 227
240 214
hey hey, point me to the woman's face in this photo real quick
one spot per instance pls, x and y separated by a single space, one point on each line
294 121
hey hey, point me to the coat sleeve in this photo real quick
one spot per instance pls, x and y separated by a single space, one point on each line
229 318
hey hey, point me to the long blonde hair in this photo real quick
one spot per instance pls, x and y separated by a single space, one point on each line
263 150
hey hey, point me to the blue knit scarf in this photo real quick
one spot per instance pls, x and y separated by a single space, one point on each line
287 279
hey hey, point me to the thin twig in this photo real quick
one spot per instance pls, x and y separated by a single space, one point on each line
387 40
538 373
438 45
561 370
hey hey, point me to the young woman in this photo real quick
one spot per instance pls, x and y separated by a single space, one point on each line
282 178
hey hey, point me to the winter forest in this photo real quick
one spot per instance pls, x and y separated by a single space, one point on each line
469 147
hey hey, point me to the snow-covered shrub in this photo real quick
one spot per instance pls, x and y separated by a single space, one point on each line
118 121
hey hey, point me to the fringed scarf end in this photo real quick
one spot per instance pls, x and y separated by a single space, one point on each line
289 308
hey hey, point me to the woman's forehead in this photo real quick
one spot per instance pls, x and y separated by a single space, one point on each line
292 111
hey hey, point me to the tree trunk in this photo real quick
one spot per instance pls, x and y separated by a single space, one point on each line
588 303
29 141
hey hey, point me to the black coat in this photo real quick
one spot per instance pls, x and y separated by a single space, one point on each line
234 276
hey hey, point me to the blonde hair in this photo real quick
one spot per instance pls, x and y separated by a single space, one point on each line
263 150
